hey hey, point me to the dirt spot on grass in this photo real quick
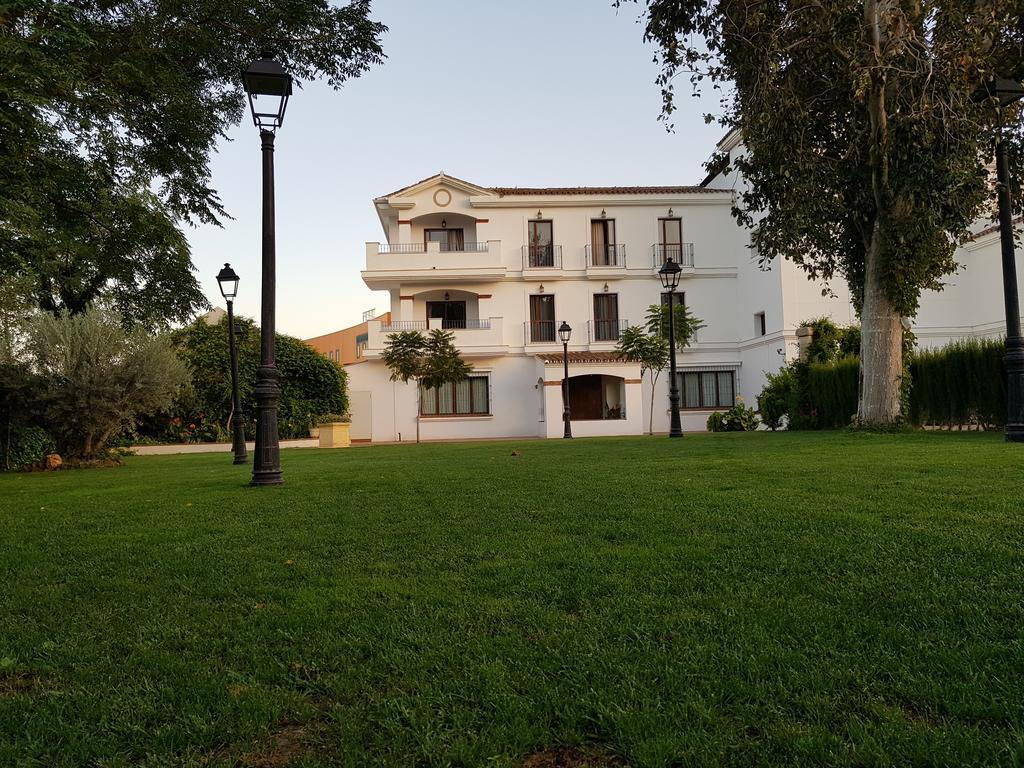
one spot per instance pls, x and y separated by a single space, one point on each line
285 745
19 683
916 714
571 757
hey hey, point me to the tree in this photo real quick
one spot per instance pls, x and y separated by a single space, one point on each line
430 360
109 113
686 324
95 379
311 385
650 351
865 154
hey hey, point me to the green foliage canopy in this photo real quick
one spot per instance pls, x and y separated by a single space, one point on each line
865 153
109 112
310 384
95 379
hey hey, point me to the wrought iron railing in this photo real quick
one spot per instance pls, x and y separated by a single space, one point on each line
608 255
483 324
681 254
403 325
540 331
464 248
402 248
542 256
606 330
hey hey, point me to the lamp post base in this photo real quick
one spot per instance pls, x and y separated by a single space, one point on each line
266 463
1015 389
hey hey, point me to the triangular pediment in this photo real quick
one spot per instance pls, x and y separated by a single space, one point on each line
441 179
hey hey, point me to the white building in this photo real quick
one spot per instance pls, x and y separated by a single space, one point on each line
504 267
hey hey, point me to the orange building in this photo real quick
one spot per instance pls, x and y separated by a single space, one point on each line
346 346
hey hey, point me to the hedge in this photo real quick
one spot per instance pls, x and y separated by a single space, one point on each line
961 383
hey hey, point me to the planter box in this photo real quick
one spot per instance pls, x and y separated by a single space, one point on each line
335 435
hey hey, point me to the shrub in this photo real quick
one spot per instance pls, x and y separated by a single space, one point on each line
961 383
334 418
774 400
716 422
95 378
310 383
739 418
25 446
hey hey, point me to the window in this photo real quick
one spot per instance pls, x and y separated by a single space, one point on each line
671 239
759 325
362 342
606 317
602 242
708 389
449 239
337 355
542 318
469 397
541 244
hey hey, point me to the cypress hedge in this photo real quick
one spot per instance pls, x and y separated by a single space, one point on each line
959 384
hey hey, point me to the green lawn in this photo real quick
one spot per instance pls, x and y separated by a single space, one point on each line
765 599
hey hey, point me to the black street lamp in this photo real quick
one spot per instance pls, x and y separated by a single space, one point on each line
1007 92
669 274
564 332
228 282
268 86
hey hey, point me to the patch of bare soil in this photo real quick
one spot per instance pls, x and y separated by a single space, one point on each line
571 757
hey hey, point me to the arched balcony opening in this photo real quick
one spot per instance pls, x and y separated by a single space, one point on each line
447 232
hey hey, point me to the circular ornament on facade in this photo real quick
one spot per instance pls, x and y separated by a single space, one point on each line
442 197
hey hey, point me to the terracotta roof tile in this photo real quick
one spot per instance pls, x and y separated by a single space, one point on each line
584 357
994 228
524 191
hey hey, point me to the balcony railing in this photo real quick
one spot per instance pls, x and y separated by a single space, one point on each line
403 325
606 330
542 256
483 324
402 248
608 255
680 253
464 247
540 331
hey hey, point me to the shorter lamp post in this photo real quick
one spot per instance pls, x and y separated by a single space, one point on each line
1007 92
564 332
669 274
228 282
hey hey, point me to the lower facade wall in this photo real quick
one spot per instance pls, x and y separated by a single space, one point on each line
526 399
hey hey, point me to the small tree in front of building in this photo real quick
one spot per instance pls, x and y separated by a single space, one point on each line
686 323
650 351
431 360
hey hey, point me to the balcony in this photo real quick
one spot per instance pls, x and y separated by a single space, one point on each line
680 253
542 257
481 337
540 332
611 255
605 331
388 265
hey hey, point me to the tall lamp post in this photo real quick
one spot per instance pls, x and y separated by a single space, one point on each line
564 332
669 274
1007 92
228 282
268 86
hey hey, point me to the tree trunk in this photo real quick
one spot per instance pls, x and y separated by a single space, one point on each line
654 383
881 344
881 347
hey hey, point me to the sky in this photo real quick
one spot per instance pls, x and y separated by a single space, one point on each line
524 93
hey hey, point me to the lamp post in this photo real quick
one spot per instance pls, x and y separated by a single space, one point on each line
564 332
1006 92
669 274
228 282
268 86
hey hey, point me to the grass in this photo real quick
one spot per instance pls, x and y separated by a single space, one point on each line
736 600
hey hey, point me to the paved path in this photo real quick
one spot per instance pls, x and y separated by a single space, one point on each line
161 450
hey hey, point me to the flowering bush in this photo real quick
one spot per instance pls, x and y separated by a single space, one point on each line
739 418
